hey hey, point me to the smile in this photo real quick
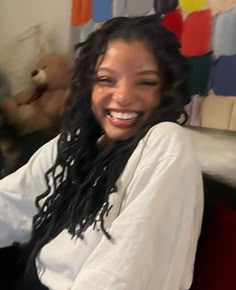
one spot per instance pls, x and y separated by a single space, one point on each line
122 119
126 116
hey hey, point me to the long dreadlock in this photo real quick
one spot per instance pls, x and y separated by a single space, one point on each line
81 180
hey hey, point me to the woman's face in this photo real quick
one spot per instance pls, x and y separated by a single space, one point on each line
126 90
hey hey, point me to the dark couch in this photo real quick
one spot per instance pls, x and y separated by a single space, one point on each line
216 254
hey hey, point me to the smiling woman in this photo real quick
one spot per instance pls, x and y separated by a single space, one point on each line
118 194
126 90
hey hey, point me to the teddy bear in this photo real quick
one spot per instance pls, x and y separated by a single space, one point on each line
40 106
4 87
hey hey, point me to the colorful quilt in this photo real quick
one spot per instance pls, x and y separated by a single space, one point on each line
204 28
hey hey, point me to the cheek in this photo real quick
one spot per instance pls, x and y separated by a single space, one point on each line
97 98
94 103
99 90
157 99
101 94
158 96
153 100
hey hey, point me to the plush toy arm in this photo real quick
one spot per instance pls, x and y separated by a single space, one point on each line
54 103
22 97
25 118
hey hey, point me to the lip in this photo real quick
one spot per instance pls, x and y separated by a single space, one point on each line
121 123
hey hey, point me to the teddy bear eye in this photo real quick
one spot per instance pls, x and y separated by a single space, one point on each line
44 67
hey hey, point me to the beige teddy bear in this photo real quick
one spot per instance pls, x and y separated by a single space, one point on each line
40 106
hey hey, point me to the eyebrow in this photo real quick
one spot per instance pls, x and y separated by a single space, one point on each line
149 72
105 69
143 72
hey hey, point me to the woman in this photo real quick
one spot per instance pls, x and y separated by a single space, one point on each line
120 206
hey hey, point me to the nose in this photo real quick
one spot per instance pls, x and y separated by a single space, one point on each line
123 94
34 73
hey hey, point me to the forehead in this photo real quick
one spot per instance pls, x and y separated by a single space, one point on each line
132 53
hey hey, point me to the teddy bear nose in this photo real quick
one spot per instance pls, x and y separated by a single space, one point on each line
34 73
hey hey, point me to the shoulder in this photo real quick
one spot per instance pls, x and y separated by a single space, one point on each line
163 141
167 138
167 130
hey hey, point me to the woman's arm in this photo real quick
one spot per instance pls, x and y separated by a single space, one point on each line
18 192
156 233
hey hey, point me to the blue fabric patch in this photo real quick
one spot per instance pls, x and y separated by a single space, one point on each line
224 76
102 10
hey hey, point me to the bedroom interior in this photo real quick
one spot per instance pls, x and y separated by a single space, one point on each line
206 33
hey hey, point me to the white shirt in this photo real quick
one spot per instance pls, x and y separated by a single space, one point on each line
155 220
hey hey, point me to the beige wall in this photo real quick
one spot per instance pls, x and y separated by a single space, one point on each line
16 15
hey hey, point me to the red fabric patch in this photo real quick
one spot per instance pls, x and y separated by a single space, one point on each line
174 22
81 12
196 36
215 266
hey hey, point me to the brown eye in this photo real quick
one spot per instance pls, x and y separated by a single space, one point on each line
104 80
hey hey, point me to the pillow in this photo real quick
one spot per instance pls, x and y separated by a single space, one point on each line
19 55
216 111
219 6
232 123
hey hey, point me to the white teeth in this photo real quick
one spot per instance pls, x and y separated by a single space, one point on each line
123 116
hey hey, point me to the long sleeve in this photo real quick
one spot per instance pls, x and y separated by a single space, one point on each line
156 233
18 192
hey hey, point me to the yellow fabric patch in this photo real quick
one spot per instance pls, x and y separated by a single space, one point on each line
192 5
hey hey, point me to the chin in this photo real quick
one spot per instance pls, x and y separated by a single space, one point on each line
119 136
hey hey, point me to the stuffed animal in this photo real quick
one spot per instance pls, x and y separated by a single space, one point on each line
4 87
39 107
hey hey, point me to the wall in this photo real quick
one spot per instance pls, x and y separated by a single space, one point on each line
16 15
